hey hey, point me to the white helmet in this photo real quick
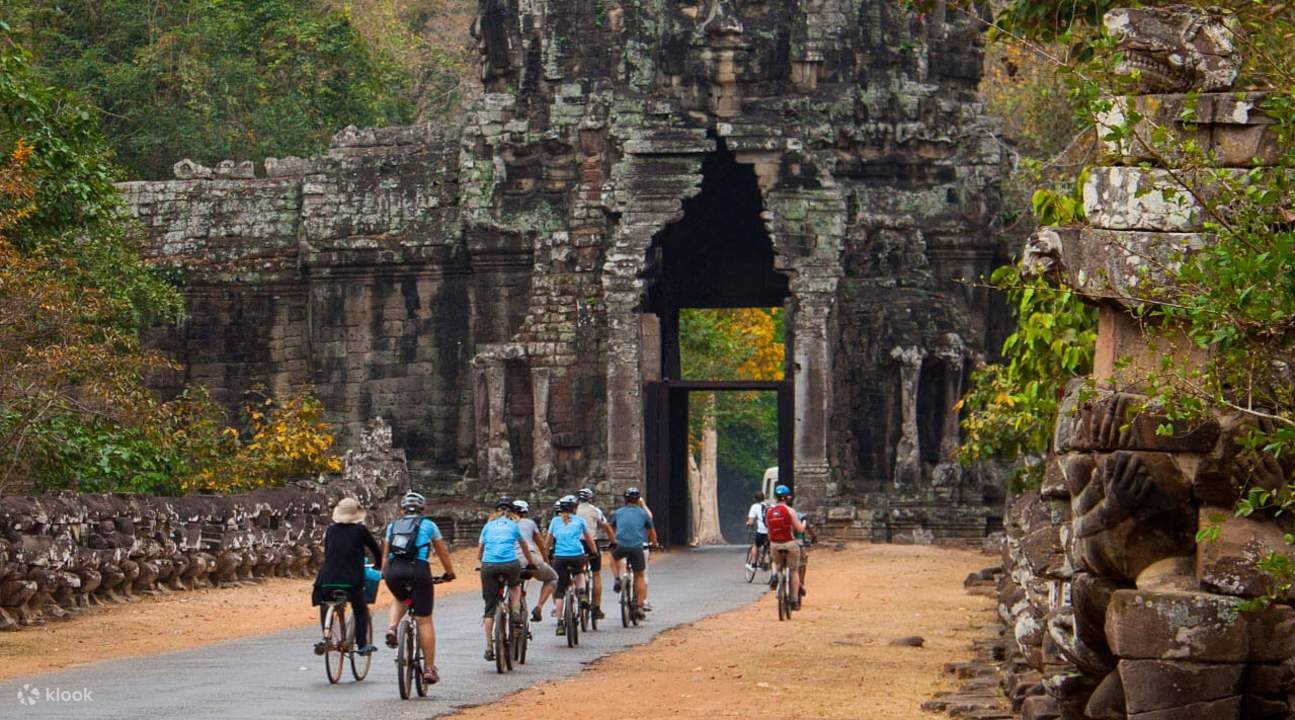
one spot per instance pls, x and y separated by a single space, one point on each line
521 506
412 501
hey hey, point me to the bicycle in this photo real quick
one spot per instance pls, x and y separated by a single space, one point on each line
523 634
762 561
502 637
409 652
629 599
588 621
784 587
339 639
571 612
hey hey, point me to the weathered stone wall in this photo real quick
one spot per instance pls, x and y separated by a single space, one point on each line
60 554
489 296
1117 610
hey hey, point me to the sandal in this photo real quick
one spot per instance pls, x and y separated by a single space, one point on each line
431 675
391 637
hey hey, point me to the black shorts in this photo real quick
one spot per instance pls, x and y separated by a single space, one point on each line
761 539
596 561
568 567
411 580
637 560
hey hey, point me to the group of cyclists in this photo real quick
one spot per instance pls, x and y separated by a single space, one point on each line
510 548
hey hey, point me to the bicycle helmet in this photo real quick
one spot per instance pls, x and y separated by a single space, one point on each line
632 493
585 495
782 491
504 503
557 505
521 507
568 503
412 501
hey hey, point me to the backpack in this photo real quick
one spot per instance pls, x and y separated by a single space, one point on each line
404 537
778 520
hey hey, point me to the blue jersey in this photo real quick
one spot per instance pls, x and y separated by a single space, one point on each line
500 537
631 523
567 536
427 533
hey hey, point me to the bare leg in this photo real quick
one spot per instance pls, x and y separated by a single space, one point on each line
641 586
427 638
490 631
598 588
546 592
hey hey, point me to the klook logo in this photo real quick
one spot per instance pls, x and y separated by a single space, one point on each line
31 695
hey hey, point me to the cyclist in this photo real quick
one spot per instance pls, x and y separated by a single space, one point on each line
755 522
497 549
596 522
634 529
572 546
543 571
406 546
805 539
343 569
783 524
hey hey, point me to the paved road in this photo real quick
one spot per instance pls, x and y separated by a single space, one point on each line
277 676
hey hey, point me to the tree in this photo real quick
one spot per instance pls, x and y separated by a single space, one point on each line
730 344
214 79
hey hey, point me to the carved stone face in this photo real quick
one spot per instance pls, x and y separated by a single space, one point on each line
727 43
1042 256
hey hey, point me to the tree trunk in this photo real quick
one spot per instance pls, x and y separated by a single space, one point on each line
703 482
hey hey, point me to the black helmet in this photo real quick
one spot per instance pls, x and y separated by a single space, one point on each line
568 503
632 494
504 503
585 494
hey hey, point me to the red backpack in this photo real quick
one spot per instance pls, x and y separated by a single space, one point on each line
778 521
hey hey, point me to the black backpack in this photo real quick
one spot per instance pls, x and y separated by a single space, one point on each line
404 537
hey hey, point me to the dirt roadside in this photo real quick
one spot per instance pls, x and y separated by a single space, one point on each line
182 620
832 660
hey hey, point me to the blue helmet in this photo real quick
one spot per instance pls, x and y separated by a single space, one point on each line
782 491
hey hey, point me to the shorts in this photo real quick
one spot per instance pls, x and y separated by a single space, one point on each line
568 567
637 560
596 561
544 572
410 581
793 553
761 539
490 572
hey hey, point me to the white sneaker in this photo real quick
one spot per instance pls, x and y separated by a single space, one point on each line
748 567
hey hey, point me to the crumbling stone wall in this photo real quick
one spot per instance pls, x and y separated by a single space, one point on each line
1116 610
485 288
61 554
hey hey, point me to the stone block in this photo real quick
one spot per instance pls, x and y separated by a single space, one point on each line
1177 626
1162 684
1229 563
1223 709
1124 266
1105 420
1232 126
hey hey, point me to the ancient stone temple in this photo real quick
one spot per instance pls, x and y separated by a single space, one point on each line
506 294
1116 609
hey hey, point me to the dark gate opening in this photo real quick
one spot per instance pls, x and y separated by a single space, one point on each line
718 255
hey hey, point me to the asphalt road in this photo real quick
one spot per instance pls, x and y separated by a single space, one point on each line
278 676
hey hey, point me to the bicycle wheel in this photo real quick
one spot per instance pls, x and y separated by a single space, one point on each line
498 640
405 659
569 612
359 663
522 637
750 567
784 607
335 636
420 685
626 610
586 611
589 588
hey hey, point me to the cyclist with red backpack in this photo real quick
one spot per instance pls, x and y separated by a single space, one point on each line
784 524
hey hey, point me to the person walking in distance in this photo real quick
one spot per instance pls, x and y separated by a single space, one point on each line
406 546
783 524
596 523
755 522
633 528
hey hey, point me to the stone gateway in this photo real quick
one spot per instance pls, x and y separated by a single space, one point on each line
504 292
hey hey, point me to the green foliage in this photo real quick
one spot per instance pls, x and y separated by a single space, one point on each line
1011 407
214 79
76 216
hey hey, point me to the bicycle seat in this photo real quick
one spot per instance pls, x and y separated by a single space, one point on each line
338 595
